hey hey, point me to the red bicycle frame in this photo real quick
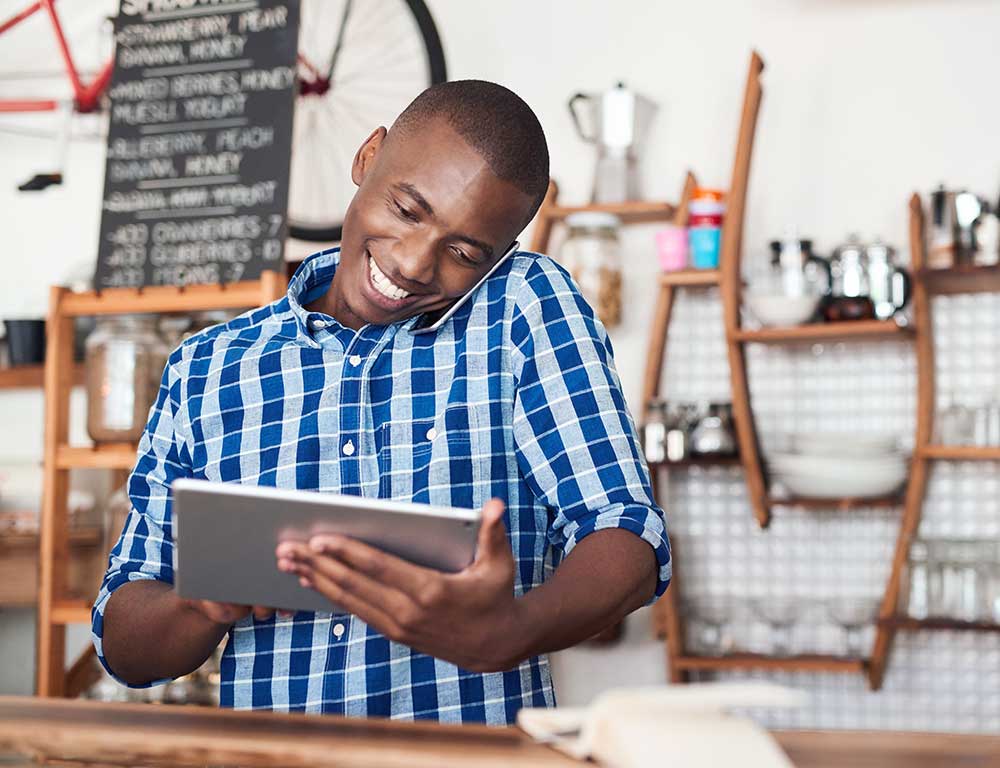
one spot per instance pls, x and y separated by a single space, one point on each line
85 97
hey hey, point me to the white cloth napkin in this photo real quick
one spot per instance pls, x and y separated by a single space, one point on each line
666 725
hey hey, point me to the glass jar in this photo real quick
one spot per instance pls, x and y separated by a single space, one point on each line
592 255
124 360
654 431
918 597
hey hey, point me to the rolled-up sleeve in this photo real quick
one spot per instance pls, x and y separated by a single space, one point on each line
575 441
145 549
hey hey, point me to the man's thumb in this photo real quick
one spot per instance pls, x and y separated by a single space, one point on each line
492 534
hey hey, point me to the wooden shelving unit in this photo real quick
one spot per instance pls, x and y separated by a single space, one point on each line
60 602
928 283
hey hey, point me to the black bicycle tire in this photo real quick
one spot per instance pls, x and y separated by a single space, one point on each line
438 74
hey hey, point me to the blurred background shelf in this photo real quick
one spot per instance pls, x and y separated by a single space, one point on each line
33 376
857 329
810 663
698 461
19 565
107 456
961 280
691 278
909 623
632 212
839 505
961 452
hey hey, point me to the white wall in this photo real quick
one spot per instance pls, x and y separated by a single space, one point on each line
865 101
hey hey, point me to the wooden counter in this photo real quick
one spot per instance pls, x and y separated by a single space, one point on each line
151 735
142 734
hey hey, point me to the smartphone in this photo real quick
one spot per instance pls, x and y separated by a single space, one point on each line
429 322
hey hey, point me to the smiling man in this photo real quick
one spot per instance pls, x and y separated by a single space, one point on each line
359 382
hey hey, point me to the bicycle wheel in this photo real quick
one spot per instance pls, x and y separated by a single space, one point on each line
360 63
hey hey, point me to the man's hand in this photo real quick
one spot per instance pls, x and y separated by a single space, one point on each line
470 618
227 614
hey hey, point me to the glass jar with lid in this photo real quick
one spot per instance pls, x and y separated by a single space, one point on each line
124 362
592 255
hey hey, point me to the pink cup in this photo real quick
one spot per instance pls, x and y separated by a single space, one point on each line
672 248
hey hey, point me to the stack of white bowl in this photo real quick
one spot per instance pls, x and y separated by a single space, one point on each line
824 465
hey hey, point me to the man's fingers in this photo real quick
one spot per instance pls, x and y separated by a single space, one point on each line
378 566
261 613
356 583
370 614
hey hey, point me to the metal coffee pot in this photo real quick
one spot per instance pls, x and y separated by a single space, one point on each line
888 284
617 121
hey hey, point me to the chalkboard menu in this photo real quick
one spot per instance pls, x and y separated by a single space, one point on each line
199 144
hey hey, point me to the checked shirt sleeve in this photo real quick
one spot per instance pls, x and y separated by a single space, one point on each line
145 548
575 442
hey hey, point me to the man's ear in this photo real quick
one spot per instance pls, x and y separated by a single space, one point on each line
365 157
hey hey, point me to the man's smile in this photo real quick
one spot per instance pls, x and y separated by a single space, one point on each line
384 293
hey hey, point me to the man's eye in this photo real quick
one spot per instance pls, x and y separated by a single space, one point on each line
404 213
464 257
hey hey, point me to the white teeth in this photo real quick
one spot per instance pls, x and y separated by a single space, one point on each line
383 284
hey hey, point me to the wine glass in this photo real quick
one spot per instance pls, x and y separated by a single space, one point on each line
853 614
712 613
781 612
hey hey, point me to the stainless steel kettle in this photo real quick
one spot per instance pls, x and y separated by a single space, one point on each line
617 121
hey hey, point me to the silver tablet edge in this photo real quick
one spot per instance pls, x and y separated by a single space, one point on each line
364 502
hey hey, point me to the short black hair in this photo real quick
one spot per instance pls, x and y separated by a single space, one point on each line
496 123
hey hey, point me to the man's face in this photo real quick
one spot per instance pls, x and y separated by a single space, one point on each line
429 219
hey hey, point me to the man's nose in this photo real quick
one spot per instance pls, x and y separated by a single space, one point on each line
416 260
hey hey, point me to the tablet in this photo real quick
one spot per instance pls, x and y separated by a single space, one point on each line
225 535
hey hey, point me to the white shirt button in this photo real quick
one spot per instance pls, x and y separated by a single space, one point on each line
319 325
432 433
339 630
355 360
348 448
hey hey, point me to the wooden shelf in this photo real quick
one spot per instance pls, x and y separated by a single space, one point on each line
909 623
80 537
106 456
697 461
961 452
691 278
839 505
631 212
161 299
961 280
71 611
817 332
754 661
33 376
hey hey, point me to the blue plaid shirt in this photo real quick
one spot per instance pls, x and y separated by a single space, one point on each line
515 397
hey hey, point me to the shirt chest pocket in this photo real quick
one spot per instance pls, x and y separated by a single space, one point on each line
432 461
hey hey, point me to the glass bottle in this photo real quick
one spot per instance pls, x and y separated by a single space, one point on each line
592 255
124 360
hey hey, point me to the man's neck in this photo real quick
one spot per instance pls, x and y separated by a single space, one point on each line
332 303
